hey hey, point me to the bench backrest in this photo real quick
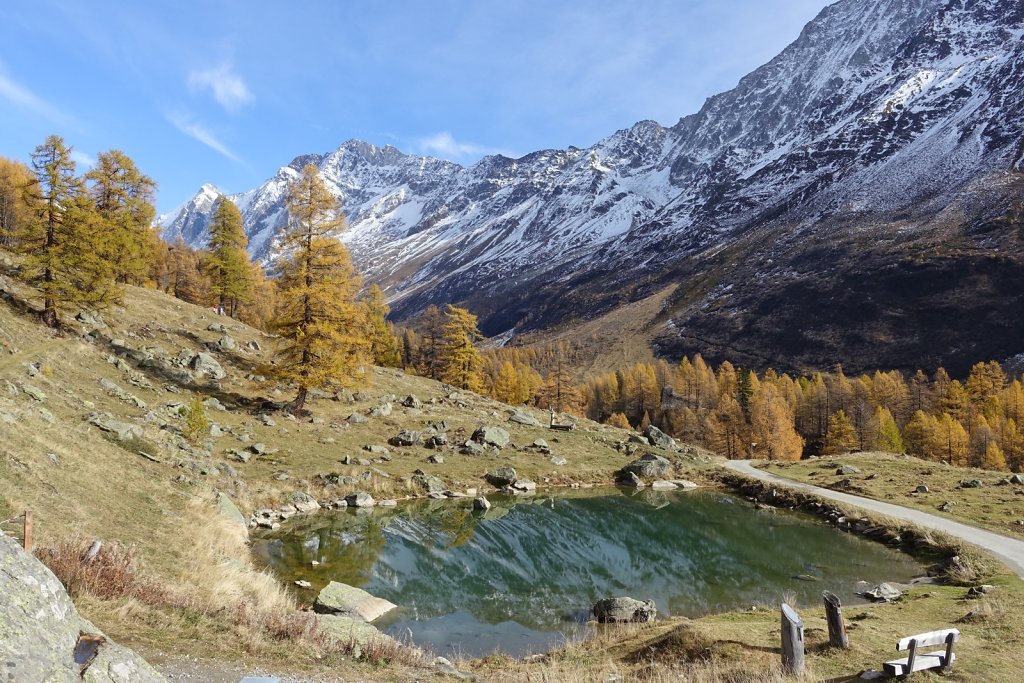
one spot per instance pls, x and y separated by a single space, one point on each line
928 639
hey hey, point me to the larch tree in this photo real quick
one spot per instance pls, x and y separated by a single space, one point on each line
841 436
383 343
461 362
123 197
320 323
771 422
15 179
431 330
62 237
231 276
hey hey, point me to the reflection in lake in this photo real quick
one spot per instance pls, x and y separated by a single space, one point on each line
522 576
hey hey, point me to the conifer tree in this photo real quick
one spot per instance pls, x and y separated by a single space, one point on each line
772 428
15 179
123 197
889 438
993 459
62 237
383 344
506 385
231 275
841 436
462 365
318 318
432 348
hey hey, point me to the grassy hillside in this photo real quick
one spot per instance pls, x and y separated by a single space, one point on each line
191 587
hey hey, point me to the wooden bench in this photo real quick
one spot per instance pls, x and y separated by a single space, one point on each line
916 661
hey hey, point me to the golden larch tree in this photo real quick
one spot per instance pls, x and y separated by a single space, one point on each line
123 197
231 274
62 238
320 323
461 362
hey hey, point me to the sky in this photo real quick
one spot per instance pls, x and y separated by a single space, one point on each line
226 92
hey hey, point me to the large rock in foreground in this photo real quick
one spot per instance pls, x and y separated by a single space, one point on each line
39 629
648 466
619 610
341 598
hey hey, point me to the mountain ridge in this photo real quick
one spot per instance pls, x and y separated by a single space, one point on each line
881 110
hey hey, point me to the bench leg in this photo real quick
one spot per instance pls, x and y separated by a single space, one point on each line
911 657
947 663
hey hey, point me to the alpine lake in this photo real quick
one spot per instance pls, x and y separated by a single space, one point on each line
522 577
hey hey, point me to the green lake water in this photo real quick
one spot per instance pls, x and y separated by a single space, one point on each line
523 576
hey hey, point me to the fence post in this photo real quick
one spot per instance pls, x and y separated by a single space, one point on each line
792 641
28 531
836 626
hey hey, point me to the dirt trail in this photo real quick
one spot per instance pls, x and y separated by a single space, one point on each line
1009 550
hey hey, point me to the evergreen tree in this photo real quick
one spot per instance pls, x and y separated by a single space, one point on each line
318 318
123 198
231 273
62 237
383 344
841 436
462 365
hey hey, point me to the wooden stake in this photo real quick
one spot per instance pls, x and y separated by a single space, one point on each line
28 531
792 641
836 626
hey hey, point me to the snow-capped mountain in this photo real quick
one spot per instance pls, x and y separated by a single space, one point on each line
881 111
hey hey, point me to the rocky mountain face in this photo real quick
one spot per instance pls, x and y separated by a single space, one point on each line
846 202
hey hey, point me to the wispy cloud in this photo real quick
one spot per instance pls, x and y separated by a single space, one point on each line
22 97
444 145
192 128
83 159
227 87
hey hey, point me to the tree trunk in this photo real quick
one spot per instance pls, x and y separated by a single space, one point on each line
295 407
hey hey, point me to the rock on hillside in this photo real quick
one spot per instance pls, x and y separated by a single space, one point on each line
39 629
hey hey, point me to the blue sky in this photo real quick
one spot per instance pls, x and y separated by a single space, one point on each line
226 92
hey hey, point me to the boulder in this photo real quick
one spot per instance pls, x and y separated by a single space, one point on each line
436 459
523 486
205 365
883 592
501 477
1017 479
360 499
411 401
622 610
216 327
41 628
303 502
659 438
229 510
847 470
226 343
428 483
921 488
33 392
481 503
524 418
124 431
381 410
971 484
437 441
631 480
490 435
648 465
357 419
405 438
473 448
341 598
559 461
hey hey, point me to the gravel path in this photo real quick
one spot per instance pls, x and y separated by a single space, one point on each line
1009 550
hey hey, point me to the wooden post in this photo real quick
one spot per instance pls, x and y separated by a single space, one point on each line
836 626
28 531
792 641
